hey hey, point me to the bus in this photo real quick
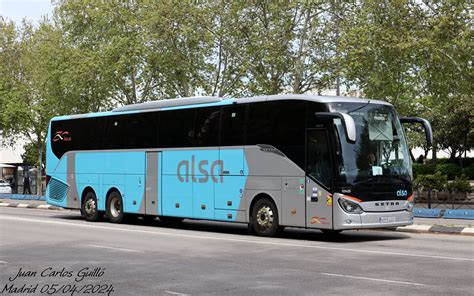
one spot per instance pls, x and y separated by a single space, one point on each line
321 162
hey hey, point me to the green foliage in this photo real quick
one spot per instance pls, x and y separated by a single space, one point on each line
469 171
460 184
451 170
423 169
435 181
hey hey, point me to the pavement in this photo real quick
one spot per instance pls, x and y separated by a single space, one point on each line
59 250
420 225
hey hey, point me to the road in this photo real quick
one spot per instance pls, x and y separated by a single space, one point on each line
209 258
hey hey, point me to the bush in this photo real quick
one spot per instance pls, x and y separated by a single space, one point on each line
469 172
451 170
460 184
423 169
435 181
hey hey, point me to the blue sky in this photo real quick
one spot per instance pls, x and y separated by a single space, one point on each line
33 10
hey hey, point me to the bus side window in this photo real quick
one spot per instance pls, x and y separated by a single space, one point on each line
177 128
206 127
232 128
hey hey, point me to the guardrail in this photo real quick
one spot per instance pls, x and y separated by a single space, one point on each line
22 196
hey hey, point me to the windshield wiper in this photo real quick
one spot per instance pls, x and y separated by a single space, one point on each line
358 108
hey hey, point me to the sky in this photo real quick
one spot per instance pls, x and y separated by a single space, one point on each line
33 10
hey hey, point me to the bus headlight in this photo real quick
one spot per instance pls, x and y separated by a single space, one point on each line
349 206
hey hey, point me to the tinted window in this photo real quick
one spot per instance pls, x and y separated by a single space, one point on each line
318 164
206 126
177 128
259 125
233 119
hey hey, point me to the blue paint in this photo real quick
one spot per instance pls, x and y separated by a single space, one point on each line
459 214
226 215
177 197
229 193
426 213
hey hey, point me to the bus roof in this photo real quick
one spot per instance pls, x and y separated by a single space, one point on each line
190 102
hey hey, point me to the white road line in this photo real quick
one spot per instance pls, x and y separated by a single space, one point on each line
3 262
44 206
22 205
176 293
236 239
4 204
114 248
372 279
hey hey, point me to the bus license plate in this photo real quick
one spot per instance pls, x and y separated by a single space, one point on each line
387 219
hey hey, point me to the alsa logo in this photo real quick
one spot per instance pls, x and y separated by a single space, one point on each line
401 192
62 136
186 171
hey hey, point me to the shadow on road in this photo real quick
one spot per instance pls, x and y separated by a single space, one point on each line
349 236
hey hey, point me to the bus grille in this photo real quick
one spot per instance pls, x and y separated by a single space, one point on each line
57 190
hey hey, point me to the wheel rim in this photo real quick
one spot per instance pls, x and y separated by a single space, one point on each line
115 206
90 207
265 217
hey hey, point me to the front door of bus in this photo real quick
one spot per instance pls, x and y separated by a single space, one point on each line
318 179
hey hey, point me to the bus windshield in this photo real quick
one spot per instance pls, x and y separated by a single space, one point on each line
380 149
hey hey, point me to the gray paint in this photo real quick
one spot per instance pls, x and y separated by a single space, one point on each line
264 163
293 209
151 184
168 103
73 197
318 213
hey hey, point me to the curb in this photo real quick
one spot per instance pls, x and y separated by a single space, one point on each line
437 229
29 206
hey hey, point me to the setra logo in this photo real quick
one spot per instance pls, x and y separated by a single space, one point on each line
401 192
62 136
206 171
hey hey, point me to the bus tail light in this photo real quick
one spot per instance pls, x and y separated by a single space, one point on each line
411 203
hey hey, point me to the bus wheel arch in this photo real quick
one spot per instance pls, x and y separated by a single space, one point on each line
114 206
89 206
263 206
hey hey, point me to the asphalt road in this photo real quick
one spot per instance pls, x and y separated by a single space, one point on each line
208 258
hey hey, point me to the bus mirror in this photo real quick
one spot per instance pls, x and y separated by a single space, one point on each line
347 123
426 125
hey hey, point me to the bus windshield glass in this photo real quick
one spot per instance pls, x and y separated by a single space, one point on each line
380 149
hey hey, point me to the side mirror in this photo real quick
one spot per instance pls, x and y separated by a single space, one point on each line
426 125
347 123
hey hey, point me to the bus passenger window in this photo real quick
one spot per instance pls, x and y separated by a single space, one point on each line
232 131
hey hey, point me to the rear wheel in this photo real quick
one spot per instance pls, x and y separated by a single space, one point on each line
265 218
115 207
89 207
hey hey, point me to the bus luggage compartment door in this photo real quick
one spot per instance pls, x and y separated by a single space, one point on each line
152 183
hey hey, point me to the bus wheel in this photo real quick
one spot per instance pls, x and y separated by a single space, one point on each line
115 207
170 220
265 218
89 207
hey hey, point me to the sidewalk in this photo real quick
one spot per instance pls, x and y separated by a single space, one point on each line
420 225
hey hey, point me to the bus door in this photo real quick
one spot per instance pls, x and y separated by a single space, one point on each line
152 183
318 179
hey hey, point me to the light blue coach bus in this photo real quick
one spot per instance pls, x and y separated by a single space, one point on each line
330 163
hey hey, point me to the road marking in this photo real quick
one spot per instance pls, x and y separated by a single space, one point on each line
372 279
176 293
113 248
3 262
236 239
4 204
44 206
22 206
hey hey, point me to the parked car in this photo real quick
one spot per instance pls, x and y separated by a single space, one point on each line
5 187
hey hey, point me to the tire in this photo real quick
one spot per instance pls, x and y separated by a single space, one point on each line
115 207
171 220
265 218
89 207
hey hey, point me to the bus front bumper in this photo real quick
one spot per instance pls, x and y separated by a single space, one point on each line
343 220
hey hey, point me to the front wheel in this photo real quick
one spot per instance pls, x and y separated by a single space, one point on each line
265 218
115 208
89 207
